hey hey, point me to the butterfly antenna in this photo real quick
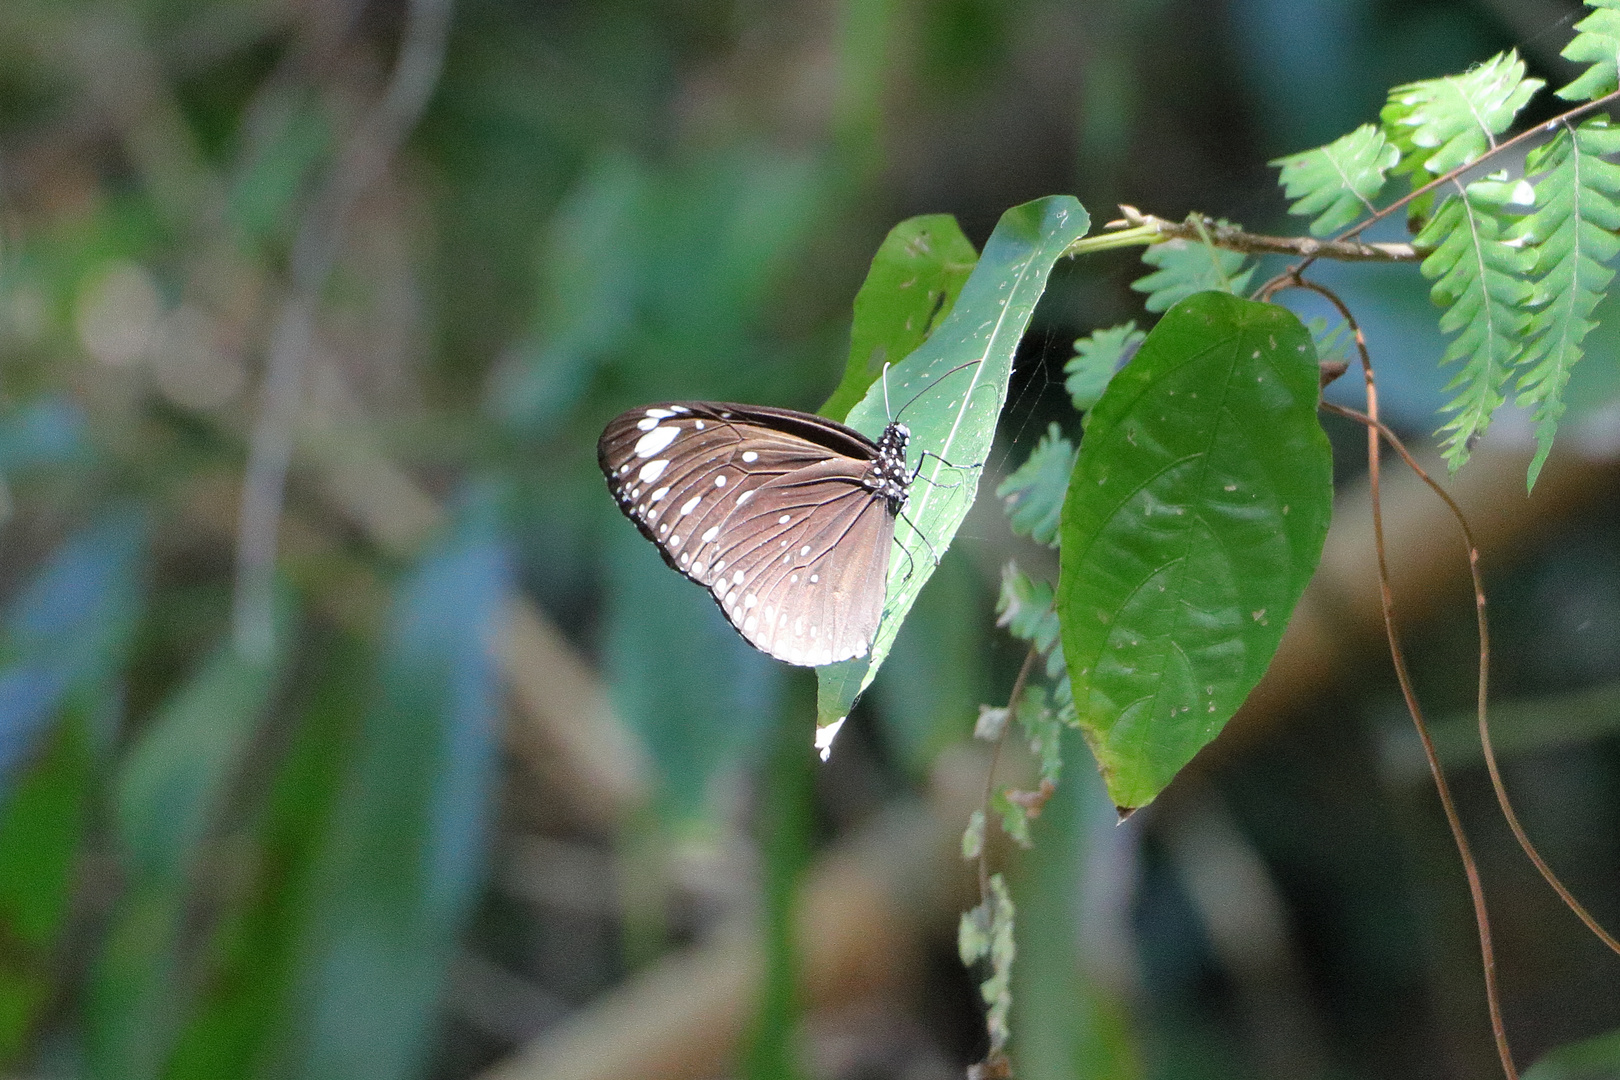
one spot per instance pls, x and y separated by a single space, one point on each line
887 412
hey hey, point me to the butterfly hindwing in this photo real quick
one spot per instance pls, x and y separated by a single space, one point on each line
771 510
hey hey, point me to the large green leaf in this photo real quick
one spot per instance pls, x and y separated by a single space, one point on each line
950 392
1195 517
916 276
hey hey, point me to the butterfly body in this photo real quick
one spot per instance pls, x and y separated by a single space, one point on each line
787 518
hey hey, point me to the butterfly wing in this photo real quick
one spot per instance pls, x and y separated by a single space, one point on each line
767 509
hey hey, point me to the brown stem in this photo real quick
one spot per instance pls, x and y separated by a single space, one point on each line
1476 888
1234 238
1484 728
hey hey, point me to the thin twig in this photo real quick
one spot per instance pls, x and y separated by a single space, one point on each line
1476 887
1204 229
362 161
1484 645
995 757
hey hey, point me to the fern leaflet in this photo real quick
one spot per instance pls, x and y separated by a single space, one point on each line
1570 237
1184 267
1337 182
1439 124
1596 42
1034 492
1096 357
1479 279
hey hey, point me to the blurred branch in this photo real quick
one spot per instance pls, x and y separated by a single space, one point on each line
859 912
361 161
1201 229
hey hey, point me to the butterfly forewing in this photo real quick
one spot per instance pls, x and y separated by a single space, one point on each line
770 509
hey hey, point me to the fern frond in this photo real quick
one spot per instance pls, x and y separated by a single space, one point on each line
1597 43
1185 267
1439 124
1337 182
1332 342
1096 357
1479 279
1034 492
1570 237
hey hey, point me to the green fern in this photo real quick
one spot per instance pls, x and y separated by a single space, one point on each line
1597 42
1479 279
1096 357
1439 124
1337 182
1185 267
1570 237
1034 492
986 933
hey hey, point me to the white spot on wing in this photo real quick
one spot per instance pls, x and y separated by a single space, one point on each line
710 533
720 481
655 441
653 470
690 505
659 414
736 579
647 424
804 551
784 519
749 455
658 496
744 497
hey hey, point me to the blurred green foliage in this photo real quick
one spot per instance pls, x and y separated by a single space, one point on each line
219 866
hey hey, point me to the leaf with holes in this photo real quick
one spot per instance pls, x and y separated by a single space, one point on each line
1338 182
950 392
916 276
1195 517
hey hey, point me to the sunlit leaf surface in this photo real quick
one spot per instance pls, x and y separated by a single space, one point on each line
950 392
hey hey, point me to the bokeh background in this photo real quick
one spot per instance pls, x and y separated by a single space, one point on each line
472 786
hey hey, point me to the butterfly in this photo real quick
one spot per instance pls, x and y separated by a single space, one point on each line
787 518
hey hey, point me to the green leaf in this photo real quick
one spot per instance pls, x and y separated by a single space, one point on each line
1097 357
1338 182
987 931
1597 1058
41 832
1479 279
405 856
245 978
1570 236
1439 124
1194 519
916 276
950 392
1596 43
1034 492
1184 267
167 802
